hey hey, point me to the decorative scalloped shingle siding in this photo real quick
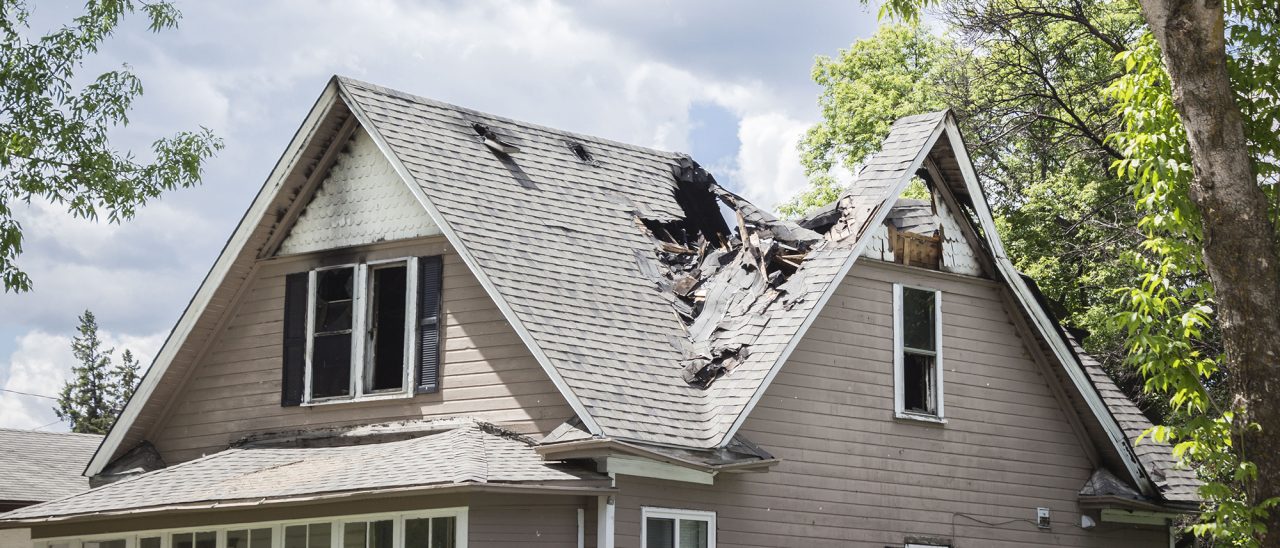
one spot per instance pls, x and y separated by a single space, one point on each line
361 201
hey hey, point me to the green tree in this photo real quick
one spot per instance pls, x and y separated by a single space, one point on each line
1026 87
125 379
54 132
87 400
1199 107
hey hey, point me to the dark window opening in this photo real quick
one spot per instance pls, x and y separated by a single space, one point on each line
918 381
387 328
331 347
919 351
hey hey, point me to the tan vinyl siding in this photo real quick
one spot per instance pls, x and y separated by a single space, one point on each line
852 475
547 523
234 389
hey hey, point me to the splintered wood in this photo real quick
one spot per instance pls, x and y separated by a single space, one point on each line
913 249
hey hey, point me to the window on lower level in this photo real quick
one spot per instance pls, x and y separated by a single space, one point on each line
672 528
440 528
917 353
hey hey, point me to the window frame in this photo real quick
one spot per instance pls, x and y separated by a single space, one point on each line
678 514
336 523
899 351
361 307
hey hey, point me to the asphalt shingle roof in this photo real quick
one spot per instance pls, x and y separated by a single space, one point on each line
40 466
1176 484
473 454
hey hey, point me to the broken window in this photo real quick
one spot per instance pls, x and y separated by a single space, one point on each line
388 301
917 355
331 345
375 301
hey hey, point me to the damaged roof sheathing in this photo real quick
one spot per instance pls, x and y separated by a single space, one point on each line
659 301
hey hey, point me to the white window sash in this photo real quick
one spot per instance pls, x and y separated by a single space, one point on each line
361 371
133 538
678 515
900 350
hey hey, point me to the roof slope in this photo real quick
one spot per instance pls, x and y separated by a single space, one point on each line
474 454
40 466
1176 484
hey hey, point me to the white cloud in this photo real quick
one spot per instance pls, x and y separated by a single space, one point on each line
42 364
251 71
769 167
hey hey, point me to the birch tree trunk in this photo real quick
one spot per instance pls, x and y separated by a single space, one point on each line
1240 243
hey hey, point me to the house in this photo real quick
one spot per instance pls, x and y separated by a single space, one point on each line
37 467
436 327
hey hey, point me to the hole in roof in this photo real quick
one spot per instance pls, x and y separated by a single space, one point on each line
581 152
481 129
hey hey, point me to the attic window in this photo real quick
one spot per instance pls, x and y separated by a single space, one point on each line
917 363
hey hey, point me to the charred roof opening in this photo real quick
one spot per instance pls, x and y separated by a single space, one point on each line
580 150
495 142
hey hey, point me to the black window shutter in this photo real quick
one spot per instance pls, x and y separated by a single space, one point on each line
430 274
293 370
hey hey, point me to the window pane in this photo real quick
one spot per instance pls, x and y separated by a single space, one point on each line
660 533
380 534
238 538
334 299
417 533
295 536
113 543
917 319
387 329
443 532
206 539
918 383
259 538
187 540
145 542
331 366
354 534
693 533
318 535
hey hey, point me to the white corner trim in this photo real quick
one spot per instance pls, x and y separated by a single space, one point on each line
858 248
470 260
1040 320
604 521
212 281
653 469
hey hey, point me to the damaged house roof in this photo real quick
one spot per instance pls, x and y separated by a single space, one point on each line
659 302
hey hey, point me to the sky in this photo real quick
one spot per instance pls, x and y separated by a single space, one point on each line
725 81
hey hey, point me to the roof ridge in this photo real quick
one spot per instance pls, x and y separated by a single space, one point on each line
347 80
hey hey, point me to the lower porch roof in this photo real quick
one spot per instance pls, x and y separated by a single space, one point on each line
472 455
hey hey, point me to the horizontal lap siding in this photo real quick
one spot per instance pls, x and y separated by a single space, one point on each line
536 523
851 475
234 389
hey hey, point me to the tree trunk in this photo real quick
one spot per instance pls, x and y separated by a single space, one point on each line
1240 246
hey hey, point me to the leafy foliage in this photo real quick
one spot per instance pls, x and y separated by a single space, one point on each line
1169 317
1025 82
97 394
55 134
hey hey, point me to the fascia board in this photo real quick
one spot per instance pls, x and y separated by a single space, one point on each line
231 251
